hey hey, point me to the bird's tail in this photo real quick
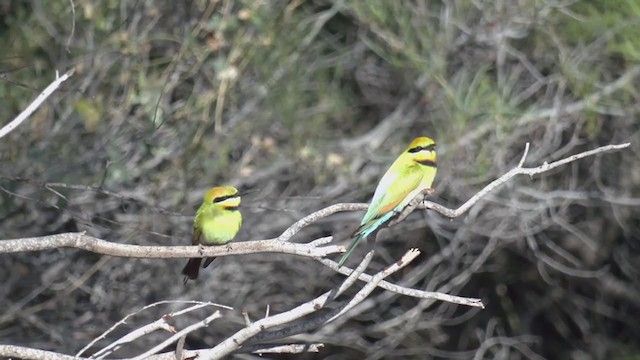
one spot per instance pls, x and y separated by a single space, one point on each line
352 246
190 270
207 262
364 231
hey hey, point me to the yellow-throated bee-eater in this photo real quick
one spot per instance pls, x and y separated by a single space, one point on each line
217 222
411 173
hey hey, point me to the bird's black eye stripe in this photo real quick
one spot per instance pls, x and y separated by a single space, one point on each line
429 147
223 198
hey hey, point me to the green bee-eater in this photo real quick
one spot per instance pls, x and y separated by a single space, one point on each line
217 222
412 172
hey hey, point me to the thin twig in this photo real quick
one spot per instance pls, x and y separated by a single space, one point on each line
315 216
178 335
518 170
35 103
134 335
405 290
162 323
198 304
73 26
367 289
353 276
180 348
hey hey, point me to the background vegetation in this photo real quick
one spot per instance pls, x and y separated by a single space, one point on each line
305 104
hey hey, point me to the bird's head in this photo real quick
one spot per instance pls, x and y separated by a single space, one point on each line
226 197
422 150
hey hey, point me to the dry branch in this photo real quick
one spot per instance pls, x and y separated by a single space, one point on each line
196 305
234 342
405 290
99 246
35 103
518 170
375 280
283 349
178 335
163 323
25 353
160 324
305 325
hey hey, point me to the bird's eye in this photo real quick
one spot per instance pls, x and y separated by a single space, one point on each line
430 147
223 198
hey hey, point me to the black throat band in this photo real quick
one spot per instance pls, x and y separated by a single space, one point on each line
429 163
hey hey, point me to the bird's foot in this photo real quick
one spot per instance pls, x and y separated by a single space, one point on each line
200 249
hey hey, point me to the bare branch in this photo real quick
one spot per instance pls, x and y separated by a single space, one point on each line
322 213
405 290
367 289
25 353
524 155
178 335
35 104
234 342
319 320
180 348
162 323
99 246
282 349
351 279
518 170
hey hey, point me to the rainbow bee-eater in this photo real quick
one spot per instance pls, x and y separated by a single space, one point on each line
217 222
411 173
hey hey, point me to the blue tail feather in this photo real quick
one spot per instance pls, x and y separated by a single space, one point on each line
363 232
352 246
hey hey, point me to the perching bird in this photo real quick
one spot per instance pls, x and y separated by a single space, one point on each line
412 172
217 222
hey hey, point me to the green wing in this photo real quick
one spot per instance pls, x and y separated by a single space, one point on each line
391 193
